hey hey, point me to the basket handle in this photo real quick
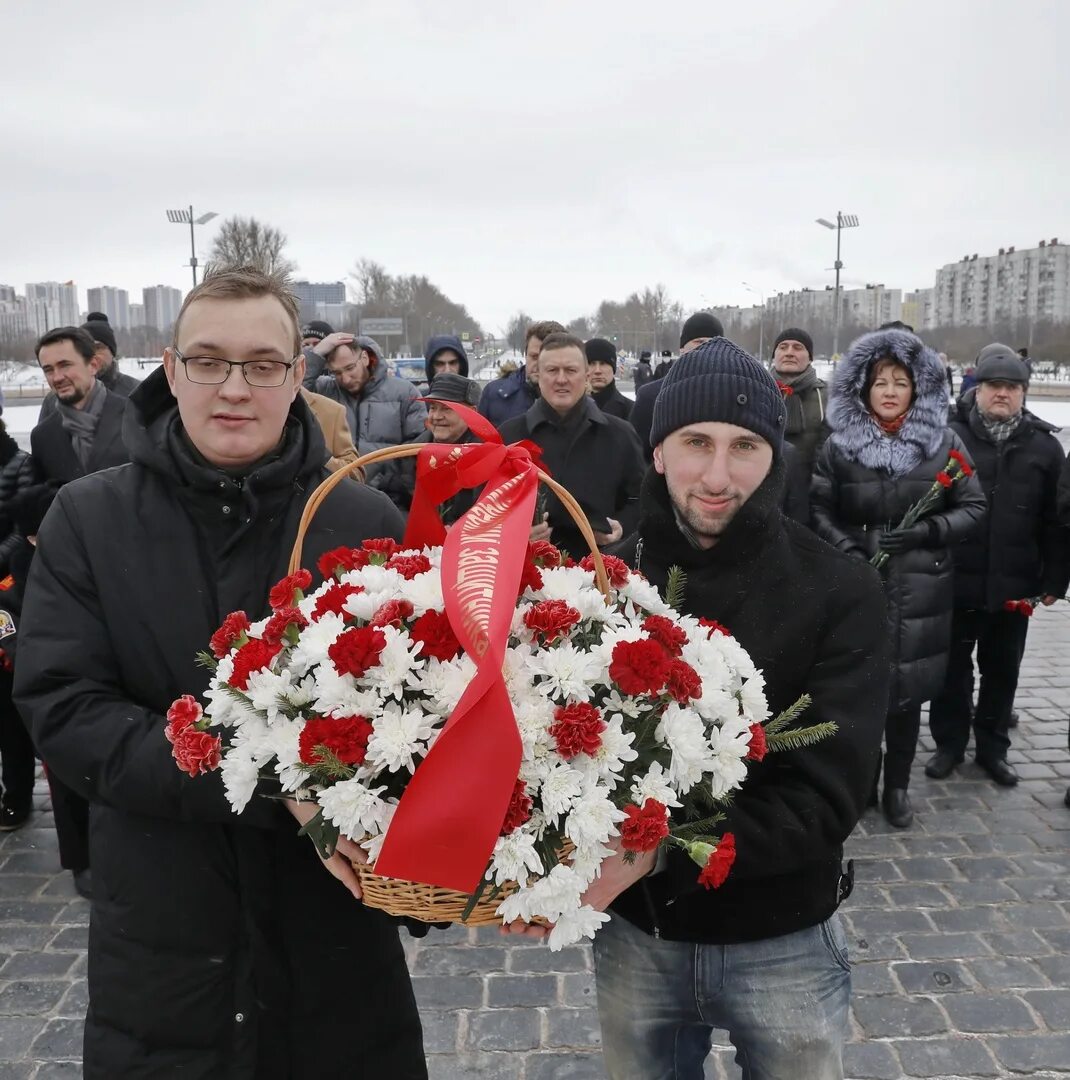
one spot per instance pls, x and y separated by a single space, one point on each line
390 453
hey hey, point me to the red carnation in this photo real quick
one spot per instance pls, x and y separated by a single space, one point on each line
284 618
184 713
644 829
380 549
226 637
282 595
963 464
943 479
357 650
437 639
714 627
519 808
334 599
682 682
408 566
1025 607
392 613
1010 605
639 667
254 655
666 633
346 738
336 562
195 751
577 729
543 553
758 746
719 863
786 390
530 578
616 569
551 618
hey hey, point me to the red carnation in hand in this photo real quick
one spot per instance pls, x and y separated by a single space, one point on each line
551 619
644 829
254 655
543 553
682 682
281 620
357 650
1010 605
184 713
666 633
758 746
282 595
530 578
1025 607
519 808
437 639
943 479
336 562
195 751
639 667
719 863
226 637
577 729
345 737
380 549
334 599
408 566
963 464
714 627
616 569
392 613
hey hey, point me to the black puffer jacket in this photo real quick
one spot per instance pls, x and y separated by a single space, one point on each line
865 481
219 947
16 475
1021 550
811 620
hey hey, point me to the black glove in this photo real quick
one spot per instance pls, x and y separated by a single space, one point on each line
896 541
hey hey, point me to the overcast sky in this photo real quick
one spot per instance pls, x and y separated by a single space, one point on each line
538 155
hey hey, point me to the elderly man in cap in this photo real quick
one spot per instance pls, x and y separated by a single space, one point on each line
602 378
805 395
1018 554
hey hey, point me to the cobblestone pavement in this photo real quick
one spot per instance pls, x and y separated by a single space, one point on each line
959 931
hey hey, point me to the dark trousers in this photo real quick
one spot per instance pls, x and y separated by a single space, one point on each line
71 814
999 637
16 751
900 740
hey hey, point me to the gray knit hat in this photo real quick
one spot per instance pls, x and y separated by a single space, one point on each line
719 382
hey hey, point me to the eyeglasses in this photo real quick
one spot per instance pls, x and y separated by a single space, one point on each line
211 371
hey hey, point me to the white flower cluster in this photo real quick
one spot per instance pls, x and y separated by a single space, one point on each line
642 746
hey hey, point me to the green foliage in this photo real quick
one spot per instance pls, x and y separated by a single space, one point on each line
675 587
697 830
788 716
207 660
799 738
322 833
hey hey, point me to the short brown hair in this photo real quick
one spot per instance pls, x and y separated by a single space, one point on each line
542 330
563 340
243 283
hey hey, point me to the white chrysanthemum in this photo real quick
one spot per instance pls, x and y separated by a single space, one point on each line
617 748
561 785
615 702
227 710
565 583
424 592
240 775
514 858
587 861
257 628
267 690
399 736
362 605
729 767
683 731
752 698
551 896
517 675
374 844
593 818
224 670
533 720
645 596
565 671
375 579
284 739
316 639
574 926
455 675
397 661
654 784
356 810
339 695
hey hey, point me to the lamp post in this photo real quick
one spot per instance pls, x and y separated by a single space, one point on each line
843 221
761 320
185 217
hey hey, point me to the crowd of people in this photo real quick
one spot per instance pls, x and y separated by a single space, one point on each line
861 538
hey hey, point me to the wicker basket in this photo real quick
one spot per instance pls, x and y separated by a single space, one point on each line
395 896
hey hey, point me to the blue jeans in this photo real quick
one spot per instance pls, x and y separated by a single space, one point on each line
783 1001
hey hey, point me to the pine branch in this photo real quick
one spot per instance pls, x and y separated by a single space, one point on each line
698 829
799 738
788 716
207 660
675 587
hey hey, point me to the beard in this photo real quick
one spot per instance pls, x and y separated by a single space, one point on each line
702 526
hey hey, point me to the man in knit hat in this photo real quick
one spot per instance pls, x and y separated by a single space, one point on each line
805 395
764 955
602 378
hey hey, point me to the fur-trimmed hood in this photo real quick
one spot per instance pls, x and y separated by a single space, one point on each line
854 431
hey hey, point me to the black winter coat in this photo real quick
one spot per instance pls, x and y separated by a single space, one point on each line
812 621
598 461
16 475
611 401
1020 551
54 459
1063 501
219 947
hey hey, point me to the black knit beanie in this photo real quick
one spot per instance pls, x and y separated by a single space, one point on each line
316 328
793 333
719 382
600 351
702 324
99 329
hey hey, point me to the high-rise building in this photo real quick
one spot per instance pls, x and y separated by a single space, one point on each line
113 302
51 304
7 293
14 318
137 315
1012 286
162 304
807 308
324 300
918 309
872 306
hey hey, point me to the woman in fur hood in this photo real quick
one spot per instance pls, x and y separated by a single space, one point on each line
889 438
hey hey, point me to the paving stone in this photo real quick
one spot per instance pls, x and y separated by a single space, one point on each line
440 1031
565 1067
578 989
939 977
986 1013
70 938
572 1027
16 1070
1035 915
76 1000
967 893
468 1066
61 1038
58 1070
946 1057
916 896
30 998
448 991
1028 1053
17 1034
1018 943
513 990
887 1017
874 978
864 923
28 964
1007 973
941 946
541 960
928 868
875 947
504 1029
969 918
870 1061
458 960
1053 1006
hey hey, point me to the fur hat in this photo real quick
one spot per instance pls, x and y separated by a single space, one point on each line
601 351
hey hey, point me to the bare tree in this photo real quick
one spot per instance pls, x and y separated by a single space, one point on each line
248 242
517 330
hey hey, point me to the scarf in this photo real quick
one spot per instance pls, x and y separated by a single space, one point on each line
797 387
81 424
999 431
889 427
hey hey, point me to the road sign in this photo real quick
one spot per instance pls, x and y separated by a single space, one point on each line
382 327
464 336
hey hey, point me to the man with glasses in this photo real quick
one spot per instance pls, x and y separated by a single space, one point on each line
220 946
383 409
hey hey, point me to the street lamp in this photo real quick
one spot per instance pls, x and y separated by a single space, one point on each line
843 221
761 320
185 217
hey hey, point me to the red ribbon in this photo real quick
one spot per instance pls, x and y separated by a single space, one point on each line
444 829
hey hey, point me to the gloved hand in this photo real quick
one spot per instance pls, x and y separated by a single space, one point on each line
896 541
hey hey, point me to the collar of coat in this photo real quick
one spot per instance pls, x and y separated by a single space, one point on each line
585 409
